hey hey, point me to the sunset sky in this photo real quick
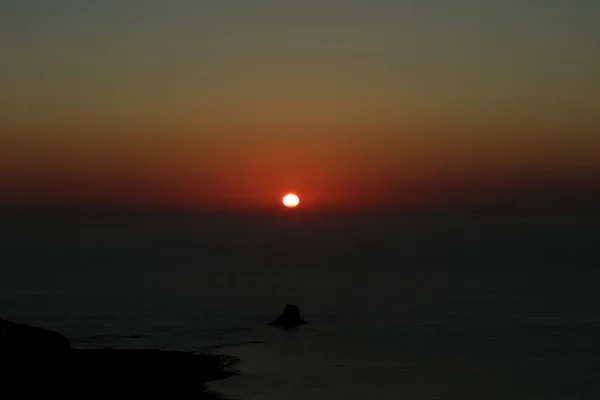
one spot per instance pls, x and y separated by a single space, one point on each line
230 104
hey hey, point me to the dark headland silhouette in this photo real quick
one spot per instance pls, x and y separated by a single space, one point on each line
27 340
32 355
290 318
31 352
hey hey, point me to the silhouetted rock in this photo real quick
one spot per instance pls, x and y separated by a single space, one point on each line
289 318
27 340
29 357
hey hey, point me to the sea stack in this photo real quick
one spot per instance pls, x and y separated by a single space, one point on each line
290 317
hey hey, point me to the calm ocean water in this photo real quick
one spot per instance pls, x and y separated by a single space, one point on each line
437 307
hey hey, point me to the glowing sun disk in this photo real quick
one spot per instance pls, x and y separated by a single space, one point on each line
290 200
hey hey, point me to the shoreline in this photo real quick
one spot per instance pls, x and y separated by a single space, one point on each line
36 355
150 370
110 372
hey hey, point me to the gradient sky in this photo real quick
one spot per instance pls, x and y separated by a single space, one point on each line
232 103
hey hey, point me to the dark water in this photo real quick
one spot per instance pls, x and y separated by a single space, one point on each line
413 307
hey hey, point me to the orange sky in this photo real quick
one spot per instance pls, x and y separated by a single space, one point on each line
252 169
367 105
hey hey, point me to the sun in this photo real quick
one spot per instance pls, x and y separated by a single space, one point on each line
290 200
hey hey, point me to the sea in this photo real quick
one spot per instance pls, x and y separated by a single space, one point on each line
400 306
